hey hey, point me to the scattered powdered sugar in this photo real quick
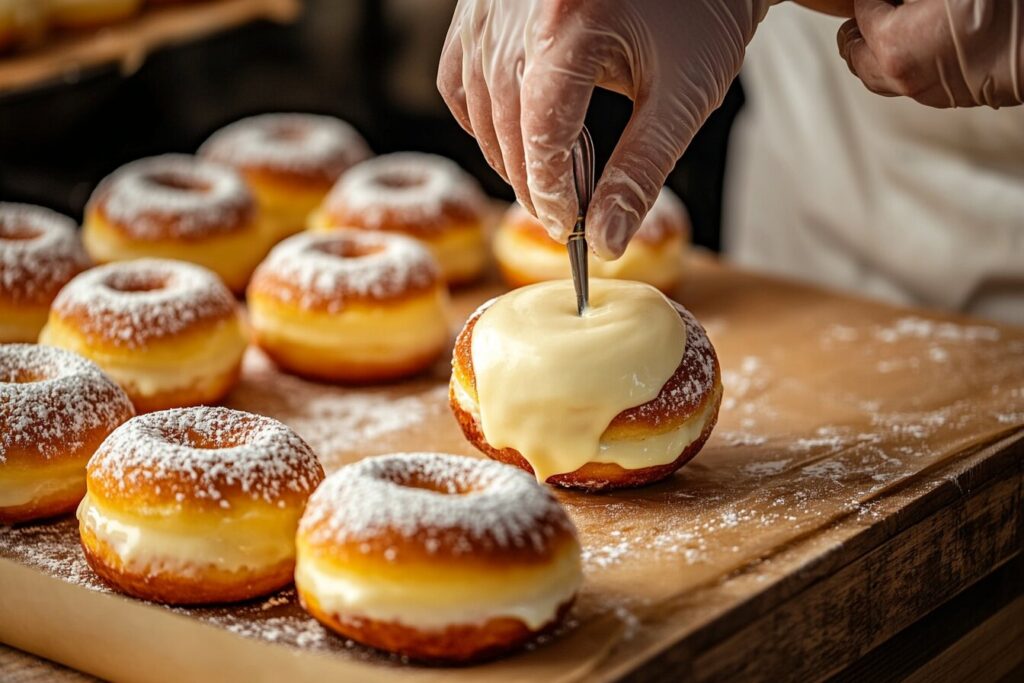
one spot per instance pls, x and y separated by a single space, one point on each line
174 195
408 187
912 327
430 495
323 270
39 252
195 452
304 144
130 303
51 400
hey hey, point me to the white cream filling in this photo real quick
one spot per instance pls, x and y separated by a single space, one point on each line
228 542
532 596
26 487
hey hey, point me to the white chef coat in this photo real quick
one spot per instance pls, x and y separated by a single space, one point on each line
831 183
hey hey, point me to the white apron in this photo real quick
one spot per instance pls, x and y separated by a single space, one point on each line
830 183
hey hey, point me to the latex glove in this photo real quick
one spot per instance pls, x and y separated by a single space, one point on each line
943 53
518 75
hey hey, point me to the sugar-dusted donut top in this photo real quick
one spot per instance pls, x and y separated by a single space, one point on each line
406 191
323 271
39 252
301 146
131 303
208 456
445 503
174 196
52 402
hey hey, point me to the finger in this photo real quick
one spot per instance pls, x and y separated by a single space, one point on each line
862 61
558 81
505 111
449 76
650 146
478 103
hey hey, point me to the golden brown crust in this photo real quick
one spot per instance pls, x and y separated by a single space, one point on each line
53 506
673 406
517 220
299 361
211 585
457 644
304 179
87 440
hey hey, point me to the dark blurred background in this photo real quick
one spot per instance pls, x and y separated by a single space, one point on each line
371 62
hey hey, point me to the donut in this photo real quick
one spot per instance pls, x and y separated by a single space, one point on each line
196 505
169 332
436 557
39 252
290 162
22 23
621 396
526 255
421 195
90 14
180 207
55 410
350 305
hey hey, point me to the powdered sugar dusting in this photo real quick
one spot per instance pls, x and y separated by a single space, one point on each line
303 144
324 270
197 452
51 400
174 195
39 252
492 504
130 303
409 187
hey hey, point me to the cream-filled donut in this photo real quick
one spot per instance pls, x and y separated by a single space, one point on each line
350 305
39 252
623 395
525 254
290 162
197 505
179 207
420 195
55 410
436 557
169 332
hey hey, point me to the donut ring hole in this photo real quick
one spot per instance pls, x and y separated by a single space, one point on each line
18 232
401 180
349 249
416 480
205 442
15 375
137 283
178 182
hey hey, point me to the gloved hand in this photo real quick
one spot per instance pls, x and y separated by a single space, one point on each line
943 53
518 75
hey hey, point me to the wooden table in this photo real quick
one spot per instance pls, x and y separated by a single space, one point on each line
857 514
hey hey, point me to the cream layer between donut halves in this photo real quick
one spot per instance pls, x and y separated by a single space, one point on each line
550 381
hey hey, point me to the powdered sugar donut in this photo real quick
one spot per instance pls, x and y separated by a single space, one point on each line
290 161
436 557
350 305
39 252
197 505
421 195
525 254
55 410
181 207
169 332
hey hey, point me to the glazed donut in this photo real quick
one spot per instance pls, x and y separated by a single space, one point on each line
525 254
436 557
169 332
55 410
421 195
622 396
22 23
197 505
349 305
180 207
90 14
290 162
39 253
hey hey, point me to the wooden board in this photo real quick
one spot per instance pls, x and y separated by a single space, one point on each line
867 467
63 57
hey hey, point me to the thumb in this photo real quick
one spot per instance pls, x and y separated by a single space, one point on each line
649 148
